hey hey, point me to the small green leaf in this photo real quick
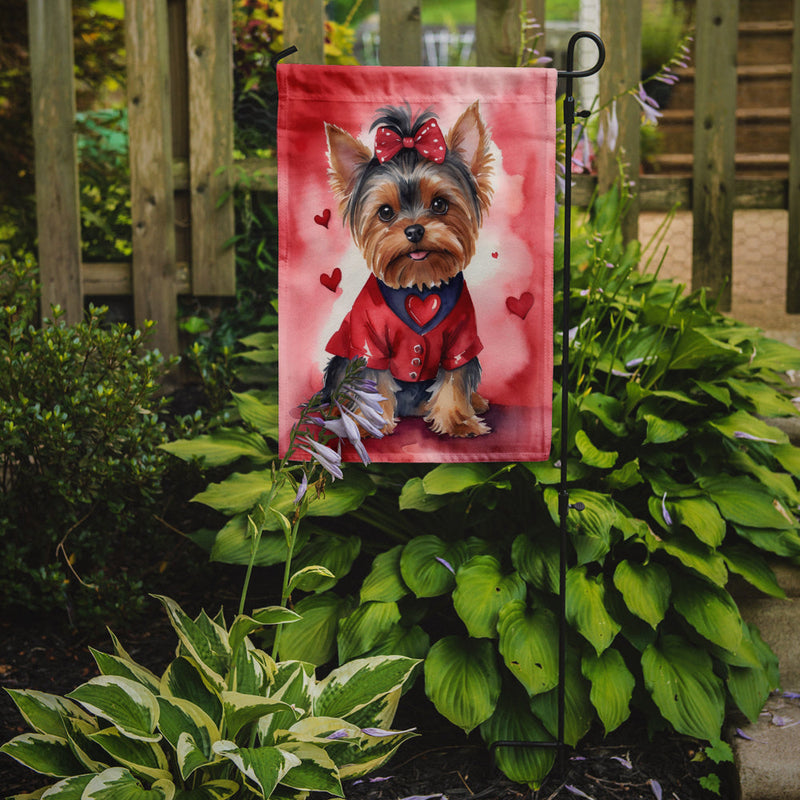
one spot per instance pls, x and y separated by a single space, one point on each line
428 565
612 687
709 609
586 608
663 431
741 422
365 628
223 446
646 589
414 497
748 562
385 581
261 416
334 553
462 680
313 637
590 454
529 645
449 478
536 560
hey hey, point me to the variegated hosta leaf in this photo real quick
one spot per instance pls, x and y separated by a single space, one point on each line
385 581
371 754
365 627
126 704
710 610
179 718
78 733
212 790
462 680
683 685
586 608
145 759
513 721
612 686
252 670
481 591
44 753
68 789
358 683
529 645
294 685
244 625
646 589
183 679
242 709
316 771
262 766
45 712
117 783
125 668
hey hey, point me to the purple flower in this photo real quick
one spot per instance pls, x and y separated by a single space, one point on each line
577 792
655 786
608 132
664 512
447 564
624 761
342 733
301 489
327 458
649 106
742 735
750 436
380 732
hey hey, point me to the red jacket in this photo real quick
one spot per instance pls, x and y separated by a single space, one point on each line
412 352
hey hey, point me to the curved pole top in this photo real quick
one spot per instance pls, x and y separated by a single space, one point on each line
570 72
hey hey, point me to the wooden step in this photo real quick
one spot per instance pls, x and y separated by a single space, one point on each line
767 165
763 42
754 10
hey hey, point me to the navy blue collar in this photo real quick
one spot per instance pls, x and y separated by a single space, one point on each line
448 294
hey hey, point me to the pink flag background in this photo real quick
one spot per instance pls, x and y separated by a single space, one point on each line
509 279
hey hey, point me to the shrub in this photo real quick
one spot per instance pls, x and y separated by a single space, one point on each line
223 720
79 430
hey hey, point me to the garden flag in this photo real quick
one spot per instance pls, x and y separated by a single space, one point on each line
416 228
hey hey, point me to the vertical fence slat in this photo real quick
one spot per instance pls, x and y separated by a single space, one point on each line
210 54
621 28
401 33
304 27
714 190
56 164
152 202
497 32
793 266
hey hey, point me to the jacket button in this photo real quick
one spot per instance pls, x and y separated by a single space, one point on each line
416 361
412 375
417 348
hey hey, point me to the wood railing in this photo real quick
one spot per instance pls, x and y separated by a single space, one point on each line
181 141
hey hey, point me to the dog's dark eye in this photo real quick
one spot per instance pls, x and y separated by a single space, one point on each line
386 213
439 205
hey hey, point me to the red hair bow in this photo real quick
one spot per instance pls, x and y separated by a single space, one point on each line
428 142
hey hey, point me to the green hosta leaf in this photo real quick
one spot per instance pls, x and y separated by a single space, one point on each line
767 401
428 565
242 709
602 459
663 431
537 561
263 766
625 477
749 688
316 771
709 610
44 753
578 710
547 474
117 783
696 349
125 668
145 759
45 712
448 478
462 680
313 638
399 640
335 553
512 721
365 627
740 422
608 410
596 518
646 589
183 680
780 542
774 355
212 790
414 497
223 446
612 687
683 685
788 455
753 567
779 484
481 591
356 684
207 644
385 582
718 392
261 416
126 704
586 608
745 502
529 645
233 544
312 577
701 517
693 554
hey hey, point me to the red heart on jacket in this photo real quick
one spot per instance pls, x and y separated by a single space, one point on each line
495 254
423 310
331 281
324 218
520 306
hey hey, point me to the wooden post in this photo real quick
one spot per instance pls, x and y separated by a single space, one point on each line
714 146
56 159
621 28
210 53
401 33
793 267
304 27
498 30
152 202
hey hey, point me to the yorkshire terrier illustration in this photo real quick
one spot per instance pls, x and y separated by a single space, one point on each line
414 209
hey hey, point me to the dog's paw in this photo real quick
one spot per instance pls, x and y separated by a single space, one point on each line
480 404
457 426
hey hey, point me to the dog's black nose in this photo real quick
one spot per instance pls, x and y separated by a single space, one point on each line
414 233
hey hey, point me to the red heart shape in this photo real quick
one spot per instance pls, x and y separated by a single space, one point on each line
495 254
422 310
331 281
324 218
520 306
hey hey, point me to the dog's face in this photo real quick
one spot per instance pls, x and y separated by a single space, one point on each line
415 221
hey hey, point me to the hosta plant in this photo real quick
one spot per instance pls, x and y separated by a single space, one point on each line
224 720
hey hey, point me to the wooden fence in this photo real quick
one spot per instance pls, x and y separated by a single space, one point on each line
181 141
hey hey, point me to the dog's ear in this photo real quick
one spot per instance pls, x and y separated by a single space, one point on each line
469 139
347 158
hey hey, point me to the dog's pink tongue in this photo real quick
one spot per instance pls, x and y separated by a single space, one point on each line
418 255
